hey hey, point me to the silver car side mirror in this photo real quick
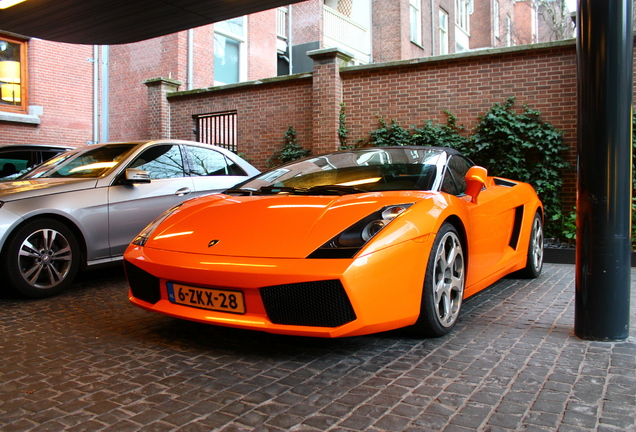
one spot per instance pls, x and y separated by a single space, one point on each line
134 175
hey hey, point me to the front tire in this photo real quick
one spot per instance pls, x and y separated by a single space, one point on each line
41 258
444 284
534 264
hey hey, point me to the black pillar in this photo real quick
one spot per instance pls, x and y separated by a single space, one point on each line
604 185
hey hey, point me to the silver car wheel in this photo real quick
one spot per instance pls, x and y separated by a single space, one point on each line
45 258
534 260
448 278
536 244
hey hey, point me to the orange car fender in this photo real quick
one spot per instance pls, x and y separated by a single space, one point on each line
422 219
387 278
530 209
385 287
486 261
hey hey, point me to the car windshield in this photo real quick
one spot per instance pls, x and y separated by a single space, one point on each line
92 162
359 170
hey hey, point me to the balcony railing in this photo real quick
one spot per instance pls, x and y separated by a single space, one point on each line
346 33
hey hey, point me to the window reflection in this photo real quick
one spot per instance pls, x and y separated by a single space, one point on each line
11 74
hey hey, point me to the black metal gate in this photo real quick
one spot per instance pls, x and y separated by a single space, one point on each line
218 128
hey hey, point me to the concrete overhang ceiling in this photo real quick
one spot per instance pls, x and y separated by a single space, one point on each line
109 22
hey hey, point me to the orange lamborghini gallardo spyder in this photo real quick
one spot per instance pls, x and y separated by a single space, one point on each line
348 243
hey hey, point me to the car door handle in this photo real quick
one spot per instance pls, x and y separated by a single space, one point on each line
183 191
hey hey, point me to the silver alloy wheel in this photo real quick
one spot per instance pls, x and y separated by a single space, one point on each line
448 279
536 244
45 258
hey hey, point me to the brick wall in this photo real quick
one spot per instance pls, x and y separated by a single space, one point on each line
506 9
264 113
307 21
390 30
130 66
468 85
262 59
481 25
203 58
167 57
523 24
60 81
411 92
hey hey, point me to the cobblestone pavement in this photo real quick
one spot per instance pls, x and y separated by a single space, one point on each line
89 361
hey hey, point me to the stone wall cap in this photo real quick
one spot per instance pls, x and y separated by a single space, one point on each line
480 52
334 52
161 80
242 85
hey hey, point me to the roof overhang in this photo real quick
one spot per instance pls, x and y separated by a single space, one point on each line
108 22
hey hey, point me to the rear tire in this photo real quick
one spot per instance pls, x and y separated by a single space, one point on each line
444 284
41 258
534 264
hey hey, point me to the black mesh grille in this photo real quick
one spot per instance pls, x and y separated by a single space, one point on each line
315 304
143 285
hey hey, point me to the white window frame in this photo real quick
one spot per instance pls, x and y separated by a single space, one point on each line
242 40
495 18
508 30
461 15
443 32
535 22
415 17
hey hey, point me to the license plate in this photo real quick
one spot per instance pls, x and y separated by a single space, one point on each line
207 298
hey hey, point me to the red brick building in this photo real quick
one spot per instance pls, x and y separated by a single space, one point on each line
51 98
82 94
218 83
408 91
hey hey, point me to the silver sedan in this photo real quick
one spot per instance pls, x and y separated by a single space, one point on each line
83 207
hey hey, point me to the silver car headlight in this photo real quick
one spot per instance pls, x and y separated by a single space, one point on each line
350 241
144 235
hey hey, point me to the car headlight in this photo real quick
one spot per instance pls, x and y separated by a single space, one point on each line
350 241
144 235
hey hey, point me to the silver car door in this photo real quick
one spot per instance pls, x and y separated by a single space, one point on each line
211 171
133 206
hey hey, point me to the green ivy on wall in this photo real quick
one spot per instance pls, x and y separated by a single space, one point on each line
290 151
519 146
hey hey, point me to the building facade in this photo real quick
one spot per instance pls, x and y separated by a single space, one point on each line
46 92
80 94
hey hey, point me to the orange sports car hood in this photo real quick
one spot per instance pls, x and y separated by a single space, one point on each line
289 226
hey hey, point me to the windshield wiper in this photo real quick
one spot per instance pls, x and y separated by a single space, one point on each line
280 190
334 190
249 192
266 190
314 190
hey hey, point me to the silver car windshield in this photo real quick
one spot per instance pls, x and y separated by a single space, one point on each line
93 162
359 170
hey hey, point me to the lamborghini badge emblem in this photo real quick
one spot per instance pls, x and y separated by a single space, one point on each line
213 242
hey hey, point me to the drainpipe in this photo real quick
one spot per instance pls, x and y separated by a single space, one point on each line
105 116
289 38
95 61
190 66
369 23
432 28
